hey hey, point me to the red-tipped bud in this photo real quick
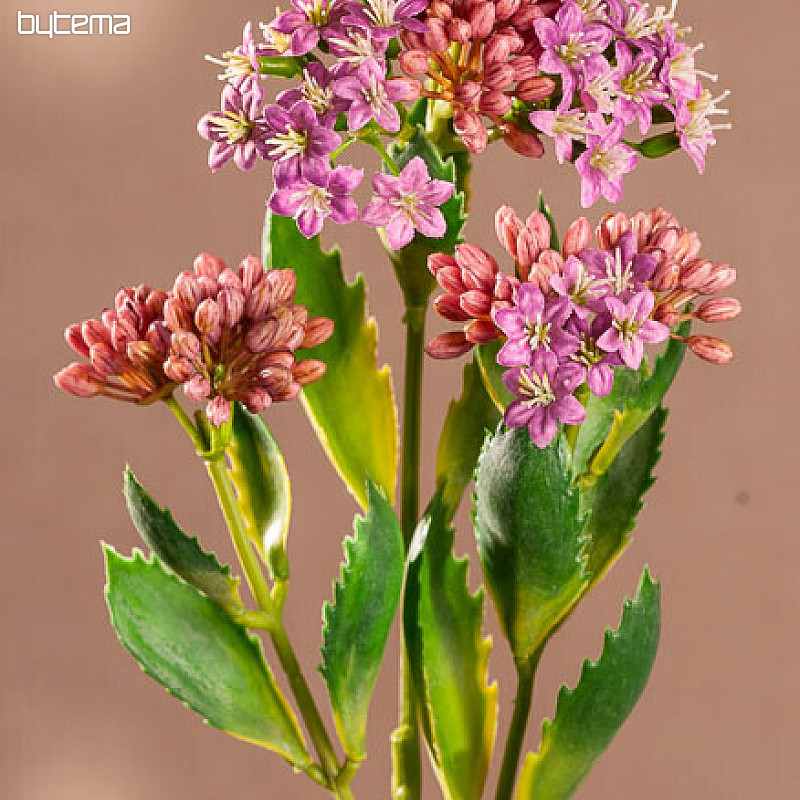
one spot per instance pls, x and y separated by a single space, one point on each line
696 274
459 30
256 400
448 306
278 379
505 9
667 276
550 263
262 335
720 309
577 237
481 331
476 303
441 10
176 316
309 371
504 288
611 229
526 68
159 337
476 263
81 380
251 271
94 331
231 306
526 143
508 225
535 90
230 280
178 369
497 49
498 76
207 317
495 103
723 276
482 18
209 266
407 89
260 300
413 62
218 411
188 291
317 331
104 359
284 284
449 345
186 345
75 340
688 246
469 127
468 93
439 261
667 315
711 349
436 38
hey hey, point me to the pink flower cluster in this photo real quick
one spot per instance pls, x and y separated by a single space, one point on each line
223 334
570 318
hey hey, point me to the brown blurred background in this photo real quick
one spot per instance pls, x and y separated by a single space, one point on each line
104 183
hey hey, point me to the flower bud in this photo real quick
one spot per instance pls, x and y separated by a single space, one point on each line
476 303
278 379
508 225
408 89
284 285
75 340
289 393
413 62
209 287
441 10
178 369
449 307
666 276
256 400
459 30
504 288
104 359
186 345
481 331
438 261
476 263
525 68
469 127
535 90
696 273
667 315
81 380
497 49
207 317
123 331
577 237
720 309
711 349
495 103
317 331
94 331
722 277
436 36
262 336
218 411
231 306
308 371
448 345
209 266
482 18
176 316
468 93
259 302
187 289
526 143
498 76
159 337
687 246
611 229
197 388
251 271
504 9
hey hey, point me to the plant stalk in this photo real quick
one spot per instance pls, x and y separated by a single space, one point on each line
526 671
406 778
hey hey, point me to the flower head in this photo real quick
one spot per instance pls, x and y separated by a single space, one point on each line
408 202
308 22
605 161
631 328
384 19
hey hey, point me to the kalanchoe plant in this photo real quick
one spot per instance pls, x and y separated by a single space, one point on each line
572 343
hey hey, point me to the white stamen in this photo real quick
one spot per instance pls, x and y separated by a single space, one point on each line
536 389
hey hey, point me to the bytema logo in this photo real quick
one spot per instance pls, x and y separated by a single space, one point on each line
72 24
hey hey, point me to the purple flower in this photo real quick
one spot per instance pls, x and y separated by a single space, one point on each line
578 285
241 63
605 161
311 200
386 18
638 88
631 328
544 396
622 272
238 130
569 44
354 46
678 71
407 202
317 90
373 96
533 324
298 142
596 364
598 88
564 126
310 20
695 130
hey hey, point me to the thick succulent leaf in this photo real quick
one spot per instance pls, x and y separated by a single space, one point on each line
358 621
449 658
352 407
262 485
530 535
660 145
612 421
411 263
588 716
181 553
198 654
463 434
614 502
492 374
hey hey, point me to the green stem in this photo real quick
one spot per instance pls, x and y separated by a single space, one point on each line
406 779
308 710
526 670
383 153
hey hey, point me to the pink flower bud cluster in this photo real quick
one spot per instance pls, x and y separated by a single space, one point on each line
125 349
482 56
682 277
235 333
226 335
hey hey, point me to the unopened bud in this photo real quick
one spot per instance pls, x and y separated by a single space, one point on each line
505 9
308 371
525 68
696 274
440 9
723 276
469 127
577 237
611 229
231 306
459 30
535 90
720 309
482 18
256 400
207 317
251 270
209 266
178 369
81 380
317 331
667 315
468 93
260 300
711 349
187 289
176 316
76 341
436 38
495 103
104 359
413 62
498 76
507 225
481 331
406 89
218 411
158 336
94 331
284 284
497 49
479 267
186 345
526 143
476 303
449 306
438 261
448 345
666 276
261 336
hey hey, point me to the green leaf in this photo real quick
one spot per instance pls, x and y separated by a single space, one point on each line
615 501
530 535
358 622
492 373
449 659
463 434
658 146
411 262
588 716
198 654
182 554
612 421
262 485
352 407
